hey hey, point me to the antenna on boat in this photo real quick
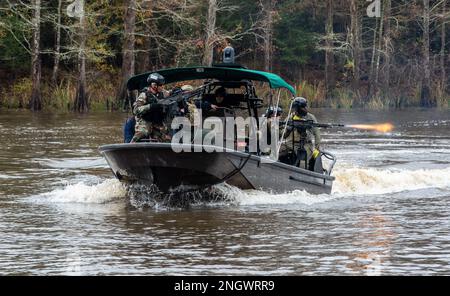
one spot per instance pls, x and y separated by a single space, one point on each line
229 55
229 58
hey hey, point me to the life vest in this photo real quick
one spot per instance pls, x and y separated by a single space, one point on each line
129 129
296 117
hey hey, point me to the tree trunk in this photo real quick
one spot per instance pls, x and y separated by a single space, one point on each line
329 56
268 34
146 63
208 53
372 86
379 51
387 47
128 60
443 41
356 45
57 45
81 99
36 100
425 97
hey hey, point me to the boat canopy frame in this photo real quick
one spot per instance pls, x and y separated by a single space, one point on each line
226 75
139 82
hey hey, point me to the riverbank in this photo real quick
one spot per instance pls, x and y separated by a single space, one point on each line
102 92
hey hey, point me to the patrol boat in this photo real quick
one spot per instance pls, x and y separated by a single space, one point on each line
158 164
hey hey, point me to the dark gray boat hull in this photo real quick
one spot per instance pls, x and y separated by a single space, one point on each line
157 164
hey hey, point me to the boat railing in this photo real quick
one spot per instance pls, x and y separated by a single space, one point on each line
333 159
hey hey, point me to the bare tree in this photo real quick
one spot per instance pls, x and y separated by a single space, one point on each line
183 43
329 56
36 100
128 55
81 97
268 7
379 51
355 32
443 42
425 97
372 85
387 46
210 32
57 56
148 30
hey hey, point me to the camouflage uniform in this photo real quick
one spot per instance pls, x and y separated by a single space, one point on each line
193 112
312 141
149 119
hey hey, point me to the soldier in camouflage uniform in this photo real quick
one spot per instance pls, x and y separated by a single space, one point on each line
195 111
312 140
150 120
190 109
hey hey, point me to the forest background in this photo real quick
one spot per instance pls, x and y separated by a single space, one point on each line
77 55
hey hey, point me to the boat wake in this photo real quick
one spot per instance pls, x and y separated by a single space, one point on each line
105 192
350 182
141 196
363 181
74 163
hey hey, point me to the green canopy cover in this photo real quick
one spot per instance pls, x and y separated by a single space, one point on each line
220 73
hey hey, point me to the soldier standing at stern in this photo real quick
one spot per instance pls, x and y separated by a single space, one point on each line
310 138
149 114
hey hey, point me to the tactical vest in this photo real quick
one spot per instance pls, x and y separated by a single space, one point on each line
155 115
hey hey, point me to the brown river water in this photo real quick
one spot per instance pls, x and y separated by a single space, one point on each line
63 213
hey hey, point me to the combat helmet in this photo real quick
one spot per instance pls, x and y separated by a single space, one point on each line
272 111
300 102
156 78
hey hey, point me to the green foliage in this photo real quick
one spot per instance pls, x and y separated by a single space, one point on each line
238 21
295 37
314 93
102 94
59 97
12 53
343 99
172 34
443 99
16 95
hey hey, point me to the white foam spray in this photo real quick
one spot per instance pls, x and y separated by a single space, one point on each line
349 182
353 182
107 191
360 181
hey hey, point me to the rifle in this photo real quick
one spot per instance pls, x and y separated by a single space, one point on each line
170 104
302 126
180 97
309 124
